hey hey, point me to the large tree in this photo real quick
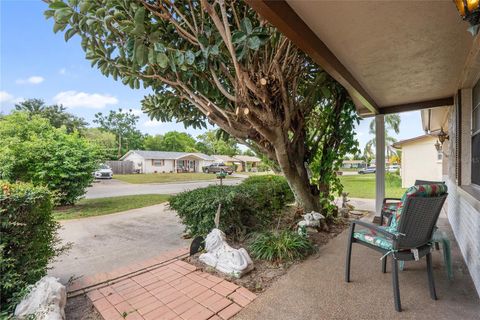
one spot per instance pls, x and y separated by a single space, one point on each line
217 142
171 141
123 124
56 114
218 61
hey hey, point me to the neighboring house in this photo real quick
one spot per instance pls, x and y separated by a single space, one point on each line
353 164
165 162
420 160
227 160
248 163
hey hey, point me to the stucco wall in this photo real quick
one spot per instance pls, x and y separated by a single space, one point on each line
419 161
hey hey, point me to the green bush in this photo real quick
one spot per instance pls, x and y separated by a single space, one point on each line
281 246
29 239
34 151
251 206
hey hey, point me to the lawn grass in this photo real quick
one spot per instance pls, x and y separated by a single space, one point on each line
97 207
165 177
363 186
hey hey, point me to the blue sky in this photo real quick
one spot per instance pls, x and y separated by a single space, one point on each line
36 63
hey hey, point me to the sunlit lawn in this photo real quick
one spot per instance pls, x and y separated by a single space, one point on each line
363 186
97 207
164 177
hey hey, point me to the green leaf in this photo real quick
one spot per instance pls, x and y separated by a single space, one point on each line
139 19
159 47
326 92
151 56
70 33
247 25
189 57
179 57
162 60
58 5
239 37
140 53
254 43
58 26
214 50
49 13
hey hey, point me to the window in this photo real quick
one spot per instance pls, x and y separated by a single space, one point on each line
158 163
476 135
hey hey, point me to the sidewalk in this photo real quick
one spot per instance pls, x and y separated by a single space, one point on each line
316 289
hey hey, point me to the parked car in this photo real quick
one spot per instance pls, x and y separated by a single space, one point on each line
367 170
393 168
217 167
103 172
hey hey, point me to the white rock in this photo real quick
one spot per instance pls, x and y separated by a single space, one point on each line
221 256
46 301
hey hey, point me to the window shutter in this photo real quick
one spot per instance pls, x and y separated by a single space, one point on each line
458 138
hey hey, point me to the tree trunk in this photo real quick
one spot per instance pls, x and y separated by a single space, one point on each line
296 174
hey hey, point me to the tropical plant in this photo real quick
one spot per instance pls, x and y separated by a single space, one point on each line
392 122
123 124
32 150
280 246
220 62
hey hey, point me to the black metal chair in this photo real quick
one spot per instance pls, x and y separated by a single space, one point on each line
410 240
390 204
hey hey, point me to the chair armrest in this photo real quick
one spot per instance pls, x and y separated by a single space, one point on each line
374 228
391 199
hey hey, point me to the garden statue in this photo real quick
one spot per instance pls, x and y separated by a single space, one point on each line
224 258
310 220
45 301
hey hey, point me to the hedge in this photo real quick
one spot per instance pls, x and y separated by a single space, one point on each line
251 206
29 239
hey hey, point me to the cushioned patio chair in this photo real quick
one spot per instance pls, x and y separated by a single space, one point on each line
408 237
390 205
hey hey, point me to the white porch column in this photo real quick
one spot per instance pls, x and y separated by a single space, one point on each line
380 162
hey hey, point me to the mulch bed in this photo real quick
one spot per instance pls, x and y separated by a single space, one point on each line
266 273
81 308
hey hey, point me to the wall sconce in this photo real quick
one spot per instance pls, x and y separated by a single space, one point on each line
442 136
469 11
438 146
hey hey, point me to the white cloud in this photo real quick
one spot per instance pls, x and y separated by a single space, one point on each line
62 71
5 96
72 99
151 123
31 80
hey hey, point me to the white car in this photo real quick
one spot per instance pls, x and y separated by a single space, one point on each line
393 168
103 172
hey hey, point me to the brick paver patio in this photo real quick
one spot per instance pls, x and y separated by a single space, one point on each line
163 288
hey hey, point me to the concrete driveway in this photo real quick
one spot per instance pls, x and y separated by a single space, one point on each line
114 188
104 243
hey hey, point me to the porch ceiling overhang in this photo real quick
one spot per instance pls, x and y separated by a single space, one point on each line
392 56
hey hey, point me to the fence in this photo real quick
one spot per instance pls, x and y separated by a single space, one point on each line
121 167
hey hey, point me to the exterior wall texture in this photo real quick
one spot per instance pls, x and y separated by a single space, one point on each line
420 161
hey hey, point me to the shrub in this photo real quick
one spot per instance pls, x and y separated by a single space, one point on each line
281 246
34 151
29 239
251 206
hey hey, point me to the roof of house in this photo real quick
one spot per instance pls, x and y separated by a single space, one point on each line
399 144
225 158
247 158
167 155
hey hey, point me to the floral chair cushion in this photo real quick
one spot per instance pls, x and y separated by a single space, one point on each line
425 190
371 237
390 208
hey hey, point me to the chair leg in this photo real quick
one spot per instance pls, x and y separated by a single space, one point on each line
431 283
384 264
396 289
349 255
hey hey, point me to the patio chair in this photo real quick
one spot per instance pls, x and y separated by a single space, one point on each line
390 205
407 238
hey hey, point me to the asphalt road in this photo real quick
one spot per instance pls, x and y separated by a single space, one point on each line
114 188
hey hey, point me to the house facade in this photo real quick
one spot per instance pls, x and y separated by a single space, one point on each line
247 163
167 162
420 160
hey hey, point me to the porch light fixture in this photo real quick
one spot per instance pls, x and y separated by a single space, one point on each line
469 11
442 136
438 146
